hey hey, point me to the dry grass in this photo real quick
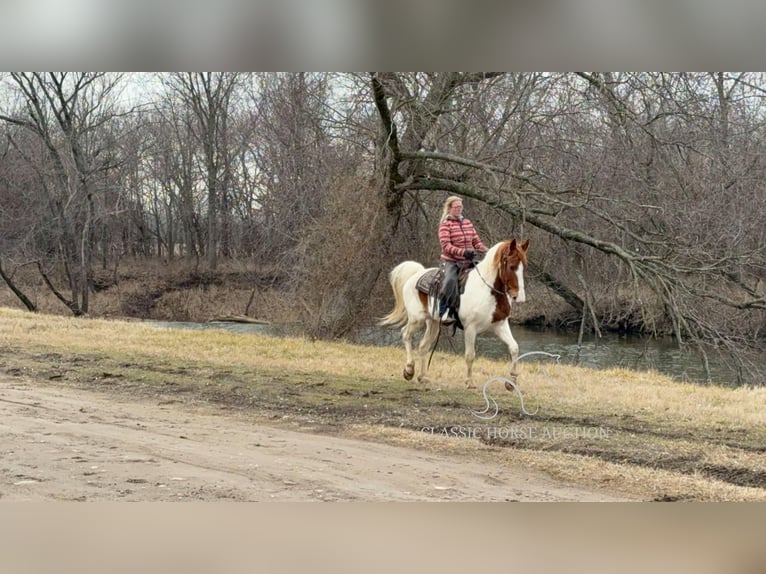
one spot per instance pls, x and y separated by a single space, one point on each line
663 439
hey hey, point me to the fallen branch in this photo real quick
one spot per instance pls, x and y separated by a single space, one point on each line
238 319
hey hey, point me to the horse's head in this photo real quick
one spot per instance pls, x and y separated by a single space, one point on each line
511 260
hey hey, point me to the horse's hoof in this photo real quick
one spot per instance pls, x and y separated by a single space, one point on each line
408 373
469 384
513 380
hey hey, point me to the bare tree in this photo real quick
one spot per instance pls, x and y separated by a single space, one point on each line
68 112
208 96
314 207
625 171
292 153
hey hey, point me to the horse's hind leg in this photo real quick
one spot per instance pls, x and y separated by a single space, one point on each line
426 346
407 333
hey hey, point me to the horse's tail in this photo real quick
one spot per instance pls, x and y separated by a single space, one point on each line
398 278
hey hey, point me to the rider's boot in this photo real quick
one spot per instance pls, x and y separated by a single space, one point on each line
445 314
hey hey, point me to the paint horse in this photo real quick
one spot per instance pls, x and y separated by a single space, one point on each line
492 286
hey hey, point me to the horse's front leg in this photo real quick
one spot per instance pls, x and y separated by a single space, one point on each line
470 354
503 331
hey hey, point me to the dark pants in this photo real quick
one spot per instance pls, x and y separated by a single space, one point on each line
449 295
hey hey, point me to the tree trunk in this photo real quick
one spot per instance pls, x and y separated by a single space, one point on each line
212 225
16 291
559 288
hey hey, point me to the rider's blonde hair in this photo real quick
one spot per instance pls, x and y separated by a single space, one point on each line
447 204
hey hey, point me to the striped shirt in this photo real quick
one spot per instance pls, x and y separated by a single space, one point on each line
457 235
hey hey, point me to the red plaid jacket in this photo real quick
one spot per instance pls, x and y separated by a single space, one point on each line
457 235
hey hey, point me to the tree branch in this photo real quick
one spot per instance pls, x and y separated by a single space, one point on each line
71 305
387 123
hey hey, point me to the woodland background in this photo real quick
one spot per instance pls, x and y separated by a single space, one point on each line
289 196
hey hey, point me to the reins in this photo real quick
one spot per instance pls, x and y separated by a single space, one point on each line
436 342
491 288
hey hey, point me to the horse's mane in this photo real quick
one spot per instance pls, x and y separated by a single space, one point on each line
489 265
492 252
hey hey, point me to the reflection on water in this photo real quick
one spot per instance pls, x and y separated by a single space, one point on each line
612 350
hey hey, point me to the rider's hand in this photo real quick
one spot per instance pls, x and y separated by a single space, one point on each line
469 254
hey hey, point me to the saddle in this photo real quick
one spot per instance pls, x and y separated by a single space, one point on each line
431 281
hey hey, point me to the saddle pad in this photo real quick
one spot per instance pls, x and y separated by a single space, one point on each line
427 280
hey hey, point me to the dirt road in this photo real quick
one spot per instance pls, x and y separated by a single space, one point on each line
59 443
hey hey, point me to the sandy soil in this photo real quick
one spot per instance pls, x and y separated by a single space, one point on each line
60 443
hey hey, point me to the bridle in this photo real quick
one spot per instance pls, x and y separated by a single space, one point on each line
491 287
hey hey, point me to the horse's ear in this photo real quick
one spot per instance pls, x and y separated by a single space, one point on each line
512 246
525 245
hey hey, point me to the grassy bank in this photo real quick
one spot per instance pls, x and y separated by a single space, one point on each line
630 432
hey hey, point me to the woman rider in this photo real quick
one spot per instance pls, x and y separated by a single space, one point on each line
460 244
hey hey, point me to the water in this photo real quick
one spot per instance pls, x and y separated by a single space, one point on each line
612 350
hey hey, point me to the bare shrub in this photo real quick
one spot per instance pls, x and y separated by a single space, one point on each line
339 259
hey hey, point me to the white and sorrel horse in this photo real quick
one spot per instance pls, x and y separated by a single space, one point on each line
492 286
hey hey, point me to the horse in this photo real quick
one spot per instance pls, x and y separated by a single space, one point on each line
491 288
